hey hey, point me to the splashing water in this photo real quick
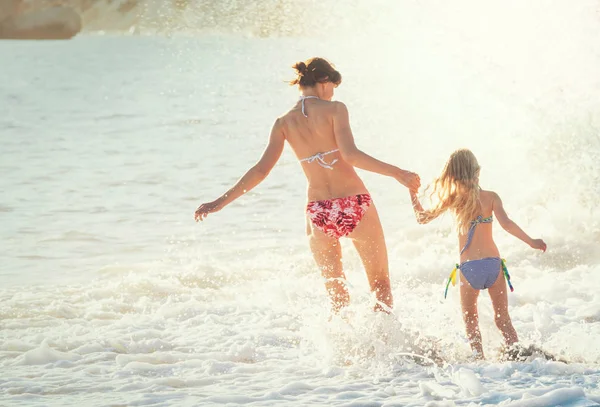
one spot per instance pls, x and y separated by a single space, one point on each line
112 295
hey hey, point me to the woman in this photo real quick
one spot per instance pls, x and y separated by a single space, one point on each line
339 204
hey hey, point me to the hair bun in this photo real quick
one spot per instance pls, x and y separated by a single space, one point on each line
315 70
301 68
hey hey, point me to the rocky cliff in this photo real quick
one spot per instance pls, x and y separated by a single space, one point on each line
53 19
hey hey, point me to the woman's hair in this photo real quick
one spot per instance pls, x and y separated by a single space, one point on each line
457 189
313 71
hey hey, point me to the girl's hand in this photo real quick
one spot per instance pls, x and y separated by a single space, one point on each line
538 244
206 208
409 179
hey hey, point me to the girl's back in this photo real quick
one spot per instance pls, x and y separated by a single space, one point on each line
482 244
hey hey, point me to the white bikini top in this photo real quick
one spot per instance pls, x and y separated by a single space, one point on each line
318 157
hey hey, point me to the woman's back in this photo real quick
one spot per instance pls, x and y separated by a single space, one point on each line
310 131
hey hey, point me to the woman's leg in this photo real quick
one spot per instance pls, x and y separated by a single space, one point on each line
499 297
468 303
370 243
328 256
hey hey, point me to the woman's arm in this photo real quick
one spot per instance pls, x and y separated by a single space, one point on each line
252 177
359 159
511 227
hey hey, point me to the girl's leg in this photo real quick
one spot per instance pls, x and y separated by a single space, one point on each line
468 302
499 297
328 256
369 241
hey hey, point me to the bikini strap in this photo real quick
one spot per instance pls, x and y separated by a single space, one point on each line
320 160
506 275
469 236
474 223
302 99
451 279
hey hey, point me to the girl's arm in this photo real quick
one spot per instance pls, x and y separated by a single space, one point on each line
359 159
252 177
511 227
423 216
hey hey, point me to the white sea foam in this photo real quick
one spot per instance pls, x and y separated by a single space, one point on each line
112 295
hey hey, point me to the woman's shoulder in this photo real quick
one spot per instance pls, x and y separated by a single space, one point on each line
327 108
338 106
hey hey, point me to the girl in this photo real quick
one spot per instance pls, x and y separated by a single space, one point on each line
457 189
339 204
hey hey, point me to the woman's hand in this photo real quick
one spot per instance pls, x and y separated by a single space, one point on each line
538 244
206 208
409 179
252 177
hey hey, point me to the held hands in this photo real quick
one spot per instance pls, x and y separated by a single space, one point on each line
538 244
410 180
206 208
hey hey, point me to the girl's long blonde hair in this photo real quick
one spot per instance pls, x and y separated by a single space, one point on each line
457 189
